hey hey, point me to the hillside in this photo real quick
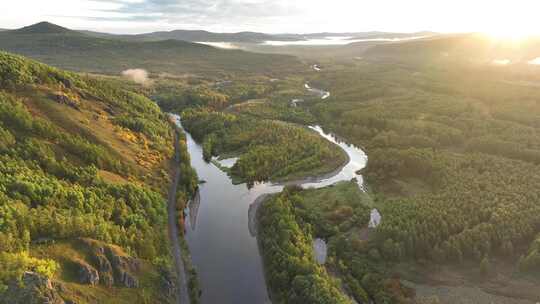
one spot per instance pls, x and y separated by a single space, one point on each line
83 175
78 51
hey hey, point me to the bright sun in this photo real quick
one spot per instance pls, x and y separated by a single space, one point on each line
512 22
512 31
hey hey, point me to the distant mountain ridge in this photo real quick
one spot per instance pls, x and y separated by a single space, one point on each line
207 36
111 54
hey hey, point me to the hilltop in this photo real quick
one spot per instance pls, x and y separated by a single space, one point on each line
43 28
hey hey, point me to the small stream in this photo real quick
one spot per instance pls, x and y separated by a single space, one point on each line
321 93
220 224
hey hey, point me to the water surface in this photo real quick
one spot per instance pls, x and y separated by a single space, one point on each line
224 252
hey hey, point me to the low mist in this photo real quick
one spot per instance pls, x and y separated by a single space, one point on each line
139 76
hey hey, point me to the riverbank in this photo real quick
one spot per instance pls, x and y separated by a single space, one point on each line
290 266
267 149
299 178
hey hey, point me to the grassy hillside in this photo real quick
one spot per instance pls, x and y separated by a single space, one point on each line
77 51
83 173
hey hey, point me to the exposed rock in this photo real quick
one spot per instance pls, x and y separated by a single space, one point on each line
105 270
66 100
34 279
33 289
114 267
123 266
128 280
87 273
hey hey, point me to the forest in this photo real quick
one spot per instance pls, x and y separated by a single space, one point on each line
60 182
339 215
453 159
291 270
267 149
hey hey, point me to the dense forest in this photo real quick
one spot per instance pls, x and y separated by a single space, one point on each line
256 96
291 270
339 215
267 149
453 158
61 180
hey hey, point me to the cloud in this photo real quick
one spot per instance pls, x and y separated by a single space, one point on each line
276 16
208 12
139 76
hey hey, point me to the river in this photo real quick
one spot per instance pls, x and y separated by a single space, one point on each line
224 249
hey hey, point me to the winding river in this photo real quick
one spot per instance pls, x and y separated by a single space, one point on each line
220 227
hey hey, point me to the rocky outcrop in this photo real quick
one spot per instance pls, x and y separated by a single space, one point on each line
114 267
105 270
66 100
123 267
87 274
128 280
32 289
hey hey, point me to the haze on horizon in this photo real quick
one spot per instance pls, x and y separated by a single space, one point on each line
509 18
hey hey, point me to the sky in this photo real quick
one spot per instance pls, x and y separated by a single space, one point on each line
515 17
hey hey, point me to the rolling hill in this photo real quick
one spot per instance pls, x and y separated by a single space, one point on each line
73 50
193 36
249 37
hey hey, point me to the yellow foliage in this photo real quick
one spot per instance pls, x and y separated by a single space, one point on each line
13 265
